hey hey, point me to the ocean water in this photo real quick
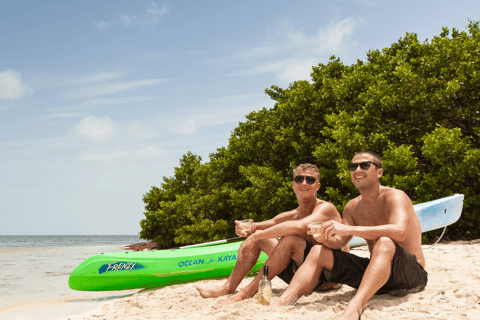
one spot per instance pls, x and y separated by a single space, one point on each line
65 240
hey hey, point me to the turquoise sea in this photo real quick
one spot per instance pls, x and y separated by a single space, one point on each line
65 240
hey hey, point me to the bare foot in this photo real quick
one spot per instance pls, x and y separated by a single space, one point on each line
281 302
213 293
351 314
230 300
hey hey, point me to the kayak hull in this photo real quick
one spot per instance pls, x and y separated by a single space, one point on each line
150 269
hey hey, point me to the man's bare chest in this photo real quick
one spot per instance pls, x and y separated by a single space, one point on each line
370 216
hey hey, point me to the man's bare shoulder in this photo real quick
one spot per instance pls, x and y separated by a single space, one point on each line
392 195
323 203
327 209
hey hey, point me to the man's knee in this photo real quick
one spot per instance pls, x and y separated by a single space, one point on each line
292 247
384 245
319 251
321 255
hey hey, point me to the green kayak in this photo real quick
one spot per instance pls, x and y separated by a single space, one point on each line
150 269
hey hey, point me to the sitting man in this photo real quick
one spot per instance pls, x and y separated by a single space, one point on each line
385 218
286 254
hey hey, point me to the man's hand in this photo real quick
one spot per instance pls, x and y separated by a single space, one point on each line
333 228
317 236
242 233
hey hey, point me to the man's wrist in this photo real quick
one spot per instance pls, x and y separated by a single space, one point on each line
350 230
255 235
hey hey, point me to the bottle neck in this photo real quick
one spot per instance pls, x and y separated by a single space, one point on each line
265 272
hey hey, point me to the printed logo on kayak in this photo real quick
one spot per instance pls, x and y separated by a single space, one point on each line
202 261
119 266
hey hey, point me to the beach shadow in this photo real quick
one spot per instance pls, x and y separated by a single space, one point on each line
332 299
100 299
380 302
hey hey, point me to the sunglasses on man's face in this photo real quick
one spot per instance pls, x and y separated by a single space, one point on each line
299 179
364 165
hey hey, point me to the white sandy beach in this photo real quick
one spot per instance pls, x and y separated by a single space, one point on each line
453 292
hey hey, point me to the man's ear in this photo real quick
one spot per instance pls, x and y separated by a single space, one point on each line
319 185
380 173
293 185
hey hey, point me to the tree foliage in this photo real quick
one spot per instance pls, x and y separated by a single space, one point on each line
416 103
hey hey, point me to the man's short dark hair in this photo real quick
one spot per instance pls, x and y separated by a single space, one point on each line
376 157
307 167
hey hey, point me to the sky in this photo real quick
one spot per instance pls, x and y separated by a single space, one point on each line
99 100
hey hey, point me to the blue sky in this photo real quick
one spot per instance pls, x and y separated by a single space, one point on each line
100 99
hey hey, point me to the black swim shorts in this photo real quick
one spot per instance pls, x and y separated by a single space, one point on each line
287 274
406 275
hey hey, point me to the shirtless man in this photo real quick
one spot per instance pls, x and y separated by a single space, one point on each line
385 218
286 254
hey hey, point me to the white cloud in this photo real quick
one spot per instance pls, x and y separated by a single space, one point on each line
126 19
213 112
186 127
105 154
334 38
96 129
107 89
298 70
105 129
117 152
290 54
103 25
117 140
11 85
66 115
149 16
149 152
154 13
285 70
91 103
140 131
150 56
100 76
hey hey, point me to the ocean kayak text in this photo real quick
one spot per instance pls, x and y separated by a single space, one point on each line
202 261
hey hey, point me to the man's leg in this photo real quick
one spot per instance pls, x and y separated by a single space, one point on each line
308 274
376 275
290 247
241 269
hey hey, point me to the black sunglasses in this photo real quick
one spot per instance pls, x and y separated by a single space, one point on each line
364 165
299 179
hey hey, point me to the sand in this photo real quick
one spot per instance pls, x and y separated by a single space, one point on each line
453 292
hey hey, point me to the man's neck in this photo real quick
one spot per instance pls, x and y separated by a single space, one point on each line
369 195
306 205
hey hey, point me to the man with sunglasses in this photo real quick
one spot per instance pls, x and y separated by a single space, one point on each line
385 218
288 253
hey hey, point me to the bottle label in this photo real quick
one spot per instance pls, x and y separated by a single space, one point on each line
265 296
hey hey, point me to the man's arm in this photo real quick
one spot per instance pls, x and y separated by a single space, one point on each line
335 241
279 218
396 207
323 212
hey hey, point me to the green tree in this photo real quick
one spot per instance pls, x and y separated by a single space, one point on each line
416 103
